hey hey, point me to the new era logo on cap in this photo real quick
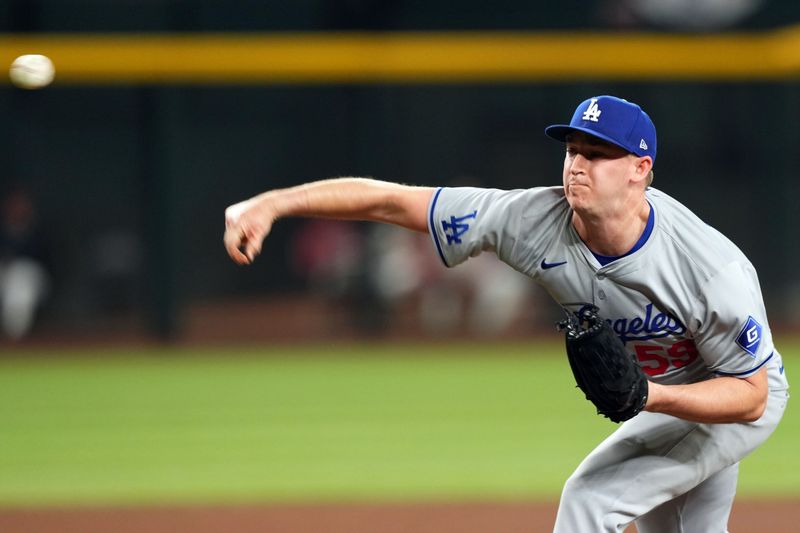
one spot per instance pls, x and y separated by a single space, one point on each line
614 120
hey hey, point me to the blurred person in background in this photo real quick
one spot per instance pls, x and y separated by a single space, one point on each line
691 15
330 259
387 282
484 298
24 277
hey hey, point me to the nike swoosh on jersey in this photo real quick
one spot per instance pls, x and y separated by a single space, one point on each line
545 265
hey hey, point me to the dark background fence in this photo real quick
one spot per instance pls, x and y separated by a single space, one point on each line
316 15
131 180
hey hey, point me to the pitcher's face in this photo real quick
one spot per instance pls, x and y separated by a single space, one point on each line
596 173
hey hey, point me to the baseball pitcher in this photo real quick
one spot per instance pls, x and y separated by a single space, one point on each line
666 331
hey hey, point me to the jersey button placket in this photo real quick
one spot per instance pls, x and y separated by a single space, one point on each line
600 294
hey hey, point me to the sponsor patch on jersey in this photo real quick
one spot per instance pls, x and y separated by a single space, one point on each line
750 336
457 226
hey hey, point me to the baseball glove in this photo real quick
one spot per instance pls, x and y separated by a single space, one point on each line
608 375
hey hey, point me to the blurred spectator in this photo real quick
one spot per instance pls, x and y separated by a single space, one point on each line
389 279
24 277
330 257
688 15
484 297
327 255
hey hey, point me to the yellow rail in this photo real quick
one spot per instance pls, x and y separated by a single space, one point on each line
409 57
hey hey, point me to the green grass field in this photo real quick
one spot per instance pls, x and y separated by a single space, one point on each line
282 424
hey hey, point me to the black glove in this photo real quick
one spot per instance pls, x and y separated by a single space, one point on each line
608 375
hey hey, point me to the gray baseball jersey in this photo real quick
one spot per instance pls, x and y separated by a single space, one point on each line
685 301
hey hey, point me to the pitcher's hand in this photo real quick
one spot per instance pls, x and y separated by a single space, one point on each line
246 226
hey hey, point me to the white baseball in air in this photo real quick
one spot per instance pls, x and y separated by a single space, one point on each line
32 71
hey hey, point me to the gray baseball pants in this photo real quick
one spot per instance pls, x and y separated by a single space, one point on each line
666 474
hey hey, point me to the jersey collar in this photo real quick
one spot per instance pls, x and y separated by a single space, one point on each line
648 230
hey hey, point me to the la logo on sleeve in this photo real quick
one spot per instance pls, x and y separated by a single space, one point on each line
457 226
750 336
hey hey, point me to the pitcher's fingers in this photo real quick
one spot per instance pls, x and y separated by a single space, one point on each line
252 243
233 242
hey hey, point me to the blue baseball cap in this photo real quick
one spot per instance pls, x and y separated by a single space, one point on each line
614 120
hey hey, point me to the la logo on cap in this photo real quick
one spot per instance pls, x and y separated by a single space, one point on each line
592 112
623 123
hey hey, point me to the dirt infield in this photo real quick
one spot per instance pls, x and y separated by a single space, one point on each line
748 517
